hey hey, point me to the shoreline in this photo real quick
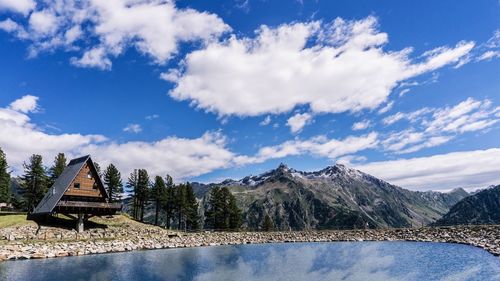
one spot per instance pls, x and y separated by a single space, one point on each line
115 240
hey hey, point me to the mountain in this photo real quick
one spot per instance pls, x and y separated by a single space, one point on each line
481 208
334 197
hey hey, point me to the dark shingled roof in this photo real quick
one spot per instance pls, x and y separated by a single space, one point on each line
55 193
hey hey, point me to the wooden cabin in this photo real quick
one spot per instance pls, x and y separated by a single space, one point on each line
78 193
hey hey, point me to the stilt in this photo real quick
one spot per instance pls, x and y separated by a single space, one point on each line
79 224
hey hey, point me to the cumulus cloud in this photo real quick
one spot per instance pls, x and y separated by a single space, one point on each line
298 121
479 168
133 128
18 6
319 146
18 135
25 104
101 30
436 126
331 67
180 157
362 125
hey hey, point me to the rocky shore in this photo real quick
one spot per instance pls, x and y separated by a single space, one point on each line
22 242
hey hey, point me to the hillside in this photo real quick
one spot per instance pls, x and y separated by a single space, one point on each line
480 208
334 197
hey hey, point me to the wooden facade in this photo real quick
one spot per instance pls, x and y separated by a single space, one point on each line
78 191
85 184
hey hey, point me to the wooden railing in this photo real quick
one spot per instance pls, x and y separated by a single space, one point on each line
84 204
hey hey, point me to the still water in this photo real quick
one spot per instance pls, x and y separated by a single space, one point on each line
299 261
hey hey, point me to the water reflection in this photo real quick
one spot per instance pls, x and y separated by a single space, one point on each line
302 261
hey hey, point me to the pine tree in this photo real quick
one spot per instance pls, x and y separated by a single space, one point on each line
98 169
142 190
192 216
169 200
158 192
57 168
113 181
223 212
180 205
4 179
268 224
35 181
132 186
234 213
213 213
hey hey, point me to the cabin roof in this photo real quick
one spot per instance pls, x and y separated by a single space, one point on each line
55 193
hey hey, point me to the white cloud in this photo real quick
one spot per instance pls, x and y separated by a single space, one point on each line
320 146
153 116
389 120
180 157
18 135
404 92
133 128
266 121
154 28
25 104
362 125
469 115
95 57
436 126
386 108
18 6
43 23
479 168
298 121
332 67
488 55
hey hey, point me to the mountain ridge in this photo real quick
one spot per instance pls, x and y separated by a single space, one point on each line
334 197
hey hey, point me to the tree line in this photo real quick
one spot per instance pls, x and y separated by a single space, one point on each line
173 206
37 179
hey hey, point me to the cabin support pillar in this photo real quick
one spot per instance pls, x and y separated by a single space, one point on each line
79 223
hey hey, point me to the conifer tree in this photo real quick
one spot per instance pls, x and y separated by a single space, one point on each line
213 214
113 182
35 181
98 169
158 192
223 212
57 168
132 186
4 179
192 216
169 200
180 205
234 213
268 224
142 190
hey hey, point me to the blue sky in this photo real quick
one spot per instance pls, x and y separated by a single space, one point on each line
208 90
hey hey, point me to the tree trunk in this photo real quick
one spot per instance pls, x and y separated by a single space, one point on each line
142 211
156 214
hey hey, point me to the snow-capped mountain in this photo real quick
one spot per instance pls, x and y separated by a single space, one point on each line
334 197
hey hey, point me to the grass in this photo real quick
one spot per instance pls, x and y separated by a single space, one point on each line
14 220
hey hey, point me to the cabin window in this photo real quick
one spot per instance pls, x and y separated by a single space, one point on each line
89 175
94 186
76 185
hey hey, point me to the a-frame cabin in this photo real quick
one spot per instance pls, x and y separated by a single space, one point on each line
77 191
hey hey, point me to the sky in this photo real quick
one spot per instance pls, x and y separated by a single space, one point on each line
408 91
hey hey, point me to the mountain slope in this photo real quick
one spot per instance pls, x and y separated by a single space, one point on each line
480 208
335 197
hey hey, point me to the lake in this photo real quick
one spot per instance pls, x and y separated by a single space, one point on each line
292 261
